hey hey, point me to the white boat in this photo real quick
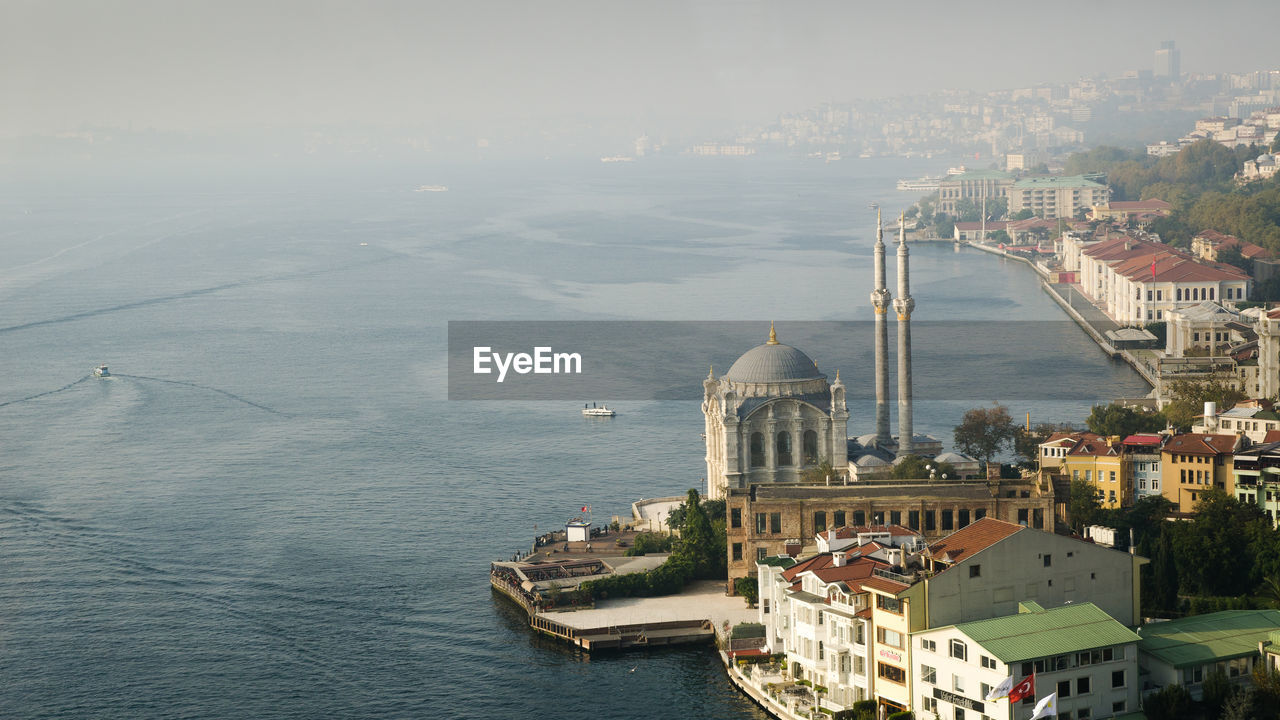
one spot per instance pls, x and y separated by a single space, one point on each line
924 184
432 188
101 371
617 158
593 411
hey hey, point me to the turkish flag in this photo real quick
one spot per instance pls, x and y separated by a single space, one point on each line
1026 688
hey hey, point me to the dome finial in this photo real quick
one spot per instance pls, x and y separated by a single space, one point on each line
837 374
711 372
773 335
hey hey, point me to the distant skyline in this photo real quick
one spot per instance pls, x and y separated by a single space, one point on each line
463 67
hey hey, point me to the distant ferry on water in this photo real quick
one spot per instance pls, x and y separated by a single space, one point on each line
593 411
432 188
101 371
617 158
924 184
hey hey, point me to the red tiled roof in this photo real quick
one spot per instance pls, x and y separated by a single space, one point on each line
1271 436
973 539
884 584
1200 444
1094 445
851 531
1142 440
1152 205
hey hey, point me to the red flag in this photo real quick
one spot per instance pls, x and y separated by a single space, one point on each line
1153 269
584 508
1026 688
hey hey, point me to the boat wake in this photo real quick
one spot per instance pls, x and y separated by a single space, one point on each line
68 386
233 396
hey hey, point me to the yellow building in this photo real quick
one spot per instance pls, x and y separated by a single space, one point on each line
1192 463
1100 462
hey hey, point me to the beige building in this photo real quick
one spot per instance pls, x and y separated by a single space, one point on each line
972 185
1056 197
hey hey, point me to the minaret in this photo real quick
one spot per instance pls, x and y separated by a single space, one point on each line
880 301
903 304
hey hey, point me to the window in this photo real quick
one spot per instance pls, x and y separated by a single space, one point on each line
891 673
837 519
775 522
979 513
1037 518
735 517
1117 679
819 521
913 519
947 520
959 713
1048 560
958 650
929 645
1022 516
782 450
895 517
820 614
766 606
975 571
1083 713
964 518
1082 685
928 674
1118 707
757 450
1064 688
859 517
892 638
989 662
929 704
761 554
930 521
889 604
737 552
957 683
822 655
762 523
810 447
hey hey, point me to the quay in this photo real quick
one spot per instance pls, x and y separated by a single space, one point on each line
545 583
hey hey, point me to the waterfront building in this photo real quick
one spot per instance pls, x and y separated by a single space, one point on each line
1192 463
973 185
772 519
1077 650
1257 478
771 417
1140 281
1056 197
1186 651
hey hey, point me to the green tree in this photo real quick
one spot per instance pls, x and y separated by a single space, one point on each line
1164 576
1172 702
1266 685
819 474
1240 705
1083 505
1189 397
748 588
1216 689
914 467
944 226
984 432
1023 214
1116 419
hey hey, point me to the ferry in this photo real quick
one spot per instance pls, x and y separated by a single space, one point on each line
924 184
432 188
593 411
617 158
101 371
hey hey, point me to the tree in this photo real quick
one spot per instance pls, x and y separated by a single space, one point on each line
1083 505
1189 397
1217 688
819 474
748 588
1164 577
1172 702
1266 685
1240 705
1116 419
1023 214
914 467
984 432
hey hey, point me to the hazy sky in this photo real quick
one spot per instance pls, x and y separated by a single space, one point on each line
179 65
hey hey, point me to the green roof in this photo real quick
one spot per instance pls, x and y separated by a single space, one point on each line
1202 639
1274 637
777 561
1042 633
1057 181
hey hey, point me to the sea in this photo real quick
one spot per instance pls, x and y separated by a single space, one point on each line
272 509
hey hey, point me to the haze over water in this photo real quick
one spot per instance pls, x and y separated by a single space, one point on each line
272 511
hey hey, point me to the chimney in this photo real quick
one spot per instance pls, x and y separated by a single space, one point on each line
839 559
1210 416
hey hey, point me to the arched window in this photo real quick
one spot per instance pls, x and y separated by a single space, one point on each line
757 450
810 447
1179 293
784 449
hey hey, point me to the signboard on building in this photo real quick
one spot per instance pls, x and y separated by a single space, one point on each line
958 700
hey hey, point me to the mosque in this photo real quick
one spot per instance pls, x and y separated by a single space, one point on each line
773 414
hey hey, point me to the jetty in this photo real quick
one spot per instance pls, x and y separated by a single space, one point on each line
546 584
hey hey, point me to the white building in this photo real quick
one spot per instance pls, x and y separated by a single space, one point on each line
1077 651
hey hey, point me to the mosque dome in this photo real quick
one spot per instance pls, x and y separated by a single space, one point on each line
773 362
